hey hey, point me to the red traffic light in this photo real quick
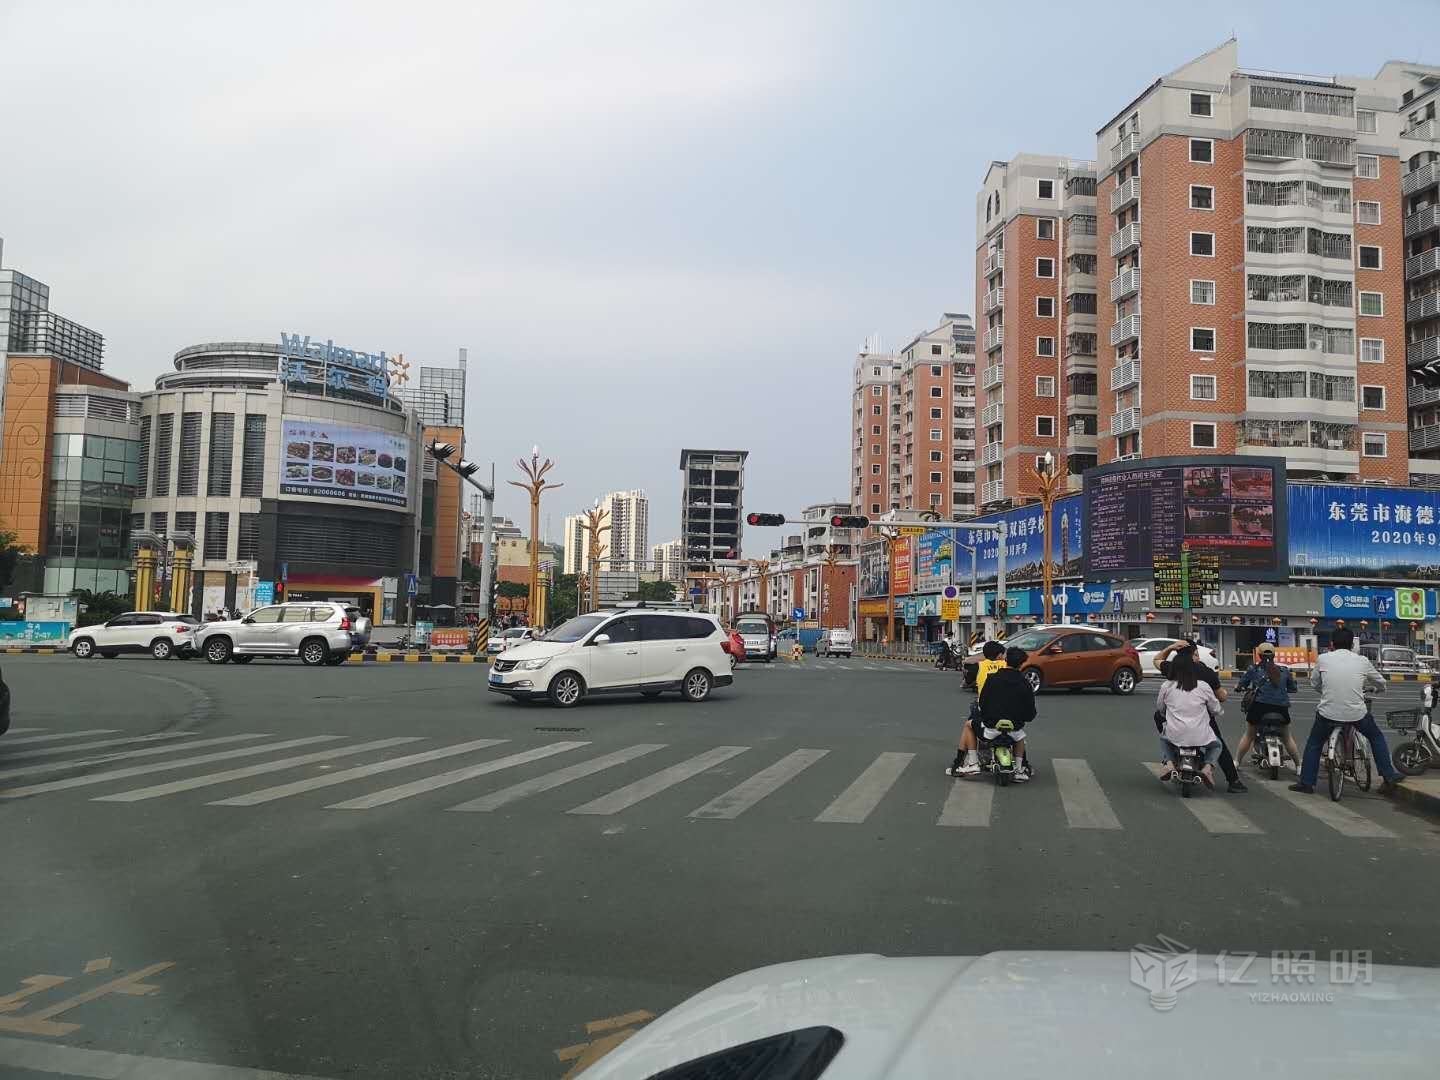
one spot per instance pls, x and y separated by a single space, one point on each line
764 519
849 521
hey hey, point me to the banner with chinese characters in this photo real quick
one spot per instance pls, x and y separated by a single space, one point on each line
335 461
1024 543
1344 531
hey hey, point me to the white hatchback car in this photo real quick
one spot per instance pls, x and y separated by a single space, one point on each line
1150 648
617 652
162 634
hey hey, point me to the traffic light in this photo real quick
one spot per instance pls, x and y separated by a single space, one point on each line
764 519
849 521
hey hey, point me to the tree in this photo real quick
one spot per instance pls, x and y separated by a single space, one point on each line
512 590
469 572
654 590
99 607
10 552
563 597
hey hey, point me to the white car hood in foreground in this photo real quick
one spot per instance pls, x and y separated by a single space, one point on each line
534 650
1076 1016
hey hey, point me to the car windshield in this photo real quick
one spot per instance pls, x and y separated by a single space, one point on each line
752 626
1030 640
573 629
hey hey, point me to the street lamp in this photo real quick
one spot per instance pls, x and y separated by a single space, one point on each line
1048 481
595 524
534 483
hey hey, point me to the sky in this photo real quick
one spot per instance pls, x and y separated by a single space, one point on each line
652 224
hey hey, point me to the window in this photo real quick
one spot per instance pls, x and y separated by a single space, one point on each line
1202 197
1370 257
1372 444
874 429
1372 397
1367 213
266 615
875 448
935 499
935 370
189 475
935 351
1045 268
1044 346
935 455
1367 166
1202 243
875 409
1202 292
1044 189
1044 385
222 451
249 545
934 478
937 391
1202 388
1372 303
875 469
1202 339
874 489
1365 121
935 414
934 434
1202 151
875 391
1202 436
164 436
1045 426
252 457
217 536
1045 307
1201 105
1372 350
1045 228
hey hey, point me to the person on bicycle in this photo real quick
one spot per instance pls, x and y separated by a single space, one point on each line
1190 708
1007 696
1343 676
1206 674
966 762
1273 684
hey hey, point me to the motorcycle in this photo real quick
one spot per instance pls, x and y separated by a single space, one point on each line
1268 751
948 657
997 755
1187 769
1419 753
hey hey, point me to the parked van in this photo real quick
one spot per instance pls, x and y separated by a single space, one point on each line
1392 659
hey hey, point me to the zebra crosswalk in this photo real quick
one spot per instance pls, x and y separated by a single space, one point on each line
824 786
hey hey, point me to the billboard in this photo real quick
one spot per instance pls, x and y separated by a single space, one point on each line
1364 531
332 461
874 571
1025 543
1229 506
934 560
903 564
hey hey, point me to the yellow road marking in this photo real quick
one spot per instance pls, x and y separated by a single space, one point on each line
92 966
40 1023
35 984
639 1016
412 658
586 1054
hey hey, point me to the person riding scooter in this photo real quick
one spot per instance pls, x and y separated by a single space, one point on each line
1007 696
1272 684
965 763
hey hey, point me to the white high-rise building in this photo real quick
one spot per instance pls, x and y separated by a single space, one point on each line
628 546
577 545
669 559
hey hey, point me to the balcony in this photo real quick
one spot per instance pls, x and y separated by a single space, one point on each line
1425 129
990 453
1423 307
1127 147
1127 239
1125 194
1424 351
993 413
992 491
1124 421
993 262
994 338
1127 329
1079 440
992 376
1419 179
1126 283
1123 375
1419 396
1425 438
1423 265
994 300
1422 221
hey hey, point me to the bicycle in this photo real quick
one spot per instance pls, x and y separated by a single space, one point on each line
1346 756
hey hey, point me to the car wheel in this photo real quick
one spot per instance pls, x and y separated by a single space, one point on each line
696 686
161 649
217 650
1034 678
1123 681
314 652
83 648
566 690
241 659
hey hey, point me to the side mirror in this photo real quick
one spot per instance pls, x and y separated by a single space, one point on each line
600 639
248 620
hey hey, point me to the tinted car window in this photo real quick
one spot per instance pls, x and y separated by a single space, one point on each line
1077 643
266 615
1031 640
624 630
656 627
1101 641
323 614
145 620
121 620
296 613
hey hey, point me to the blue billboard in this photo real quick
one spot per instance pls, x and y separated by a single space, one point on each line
1025 543
934 561
1359 532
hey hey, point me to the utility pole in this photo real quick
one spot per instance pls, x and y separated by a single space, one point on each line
466 470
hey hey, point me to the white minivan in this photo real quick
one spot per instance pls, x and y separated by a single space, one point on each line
617 652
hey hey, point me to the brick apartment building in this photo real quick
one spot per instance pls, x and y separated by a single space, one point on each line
913 424
1035 289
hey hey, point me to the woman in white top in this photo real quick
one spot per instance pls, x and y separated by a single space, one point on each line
1188 704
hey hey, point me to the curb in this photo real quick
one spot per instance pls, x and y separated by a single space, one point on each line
1422 798
415 658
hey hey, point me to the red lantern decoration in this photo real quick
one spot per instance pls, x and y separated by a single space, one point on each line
1149 616
1314 622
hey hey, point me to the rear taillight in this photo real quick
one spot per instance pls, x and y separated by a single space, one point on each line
182 629
345 622
1130 650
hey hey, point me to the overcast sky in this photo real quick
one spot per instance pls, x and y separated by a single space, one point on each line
654 225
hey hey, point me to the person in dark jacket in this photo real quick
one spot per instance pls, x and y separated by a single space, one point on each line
1007 696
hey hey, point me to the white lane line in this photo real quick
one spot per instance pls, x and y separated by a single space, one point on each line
246 771
141 770
1085 804
858 801
505 796
630 794
57 738
455 776
1216 814
22 730
126 755
844 667
1345 822
280 791
108 1065
70 748
747 793
968 803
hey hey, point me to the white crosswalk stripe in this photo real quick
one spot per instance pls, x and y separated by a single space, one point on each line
141 770
505 796
631 794
127 755
246 771
455 776
1085 804
747 793
1217 815
360 772
70 748
23 730
58 737
969 802
1344 821
858 801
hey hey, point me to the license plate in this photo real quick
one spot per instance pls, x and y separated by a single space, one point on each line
496 678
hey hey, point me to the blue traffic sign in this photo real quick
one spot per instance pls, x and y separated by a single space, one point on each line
264 593
412 585
284 571
797 613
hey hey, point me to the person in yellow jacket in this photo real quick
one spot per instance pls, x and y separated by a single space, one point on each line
966 763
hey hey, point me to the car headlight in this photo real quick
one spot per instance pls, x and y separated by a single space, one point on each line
534 665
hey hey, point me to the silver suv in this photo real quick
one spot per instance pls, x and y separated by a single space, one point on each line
318 633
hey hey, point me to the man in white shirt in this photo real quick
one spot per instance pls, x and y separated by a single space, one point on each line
1343 676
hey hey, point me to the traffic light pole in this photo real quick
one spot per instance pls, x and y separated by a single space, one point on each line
486 564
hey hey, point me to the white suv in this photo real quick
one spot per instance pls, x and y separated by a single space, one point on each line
162 634
618 652
318 633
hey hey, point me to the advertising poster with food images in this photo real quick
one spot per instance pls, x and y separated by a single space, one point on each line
337 462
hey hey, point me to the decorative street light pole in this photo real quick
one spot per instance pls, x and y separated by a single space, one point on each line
1048 480
595 524
534 471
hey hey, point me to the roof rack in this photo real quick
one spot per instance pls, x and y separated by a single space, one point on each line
657 605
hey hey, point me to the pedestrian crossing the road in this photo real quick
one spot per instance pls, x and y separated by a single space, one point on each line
831 787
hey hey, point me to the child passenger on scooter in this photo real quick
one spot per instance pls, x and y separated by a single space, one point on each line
1007 696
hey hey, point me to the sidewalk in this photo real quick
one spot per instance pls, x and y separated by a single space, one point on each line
1422 792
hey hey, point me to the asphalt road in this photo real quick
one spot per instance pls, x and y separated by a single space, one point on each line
229 890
